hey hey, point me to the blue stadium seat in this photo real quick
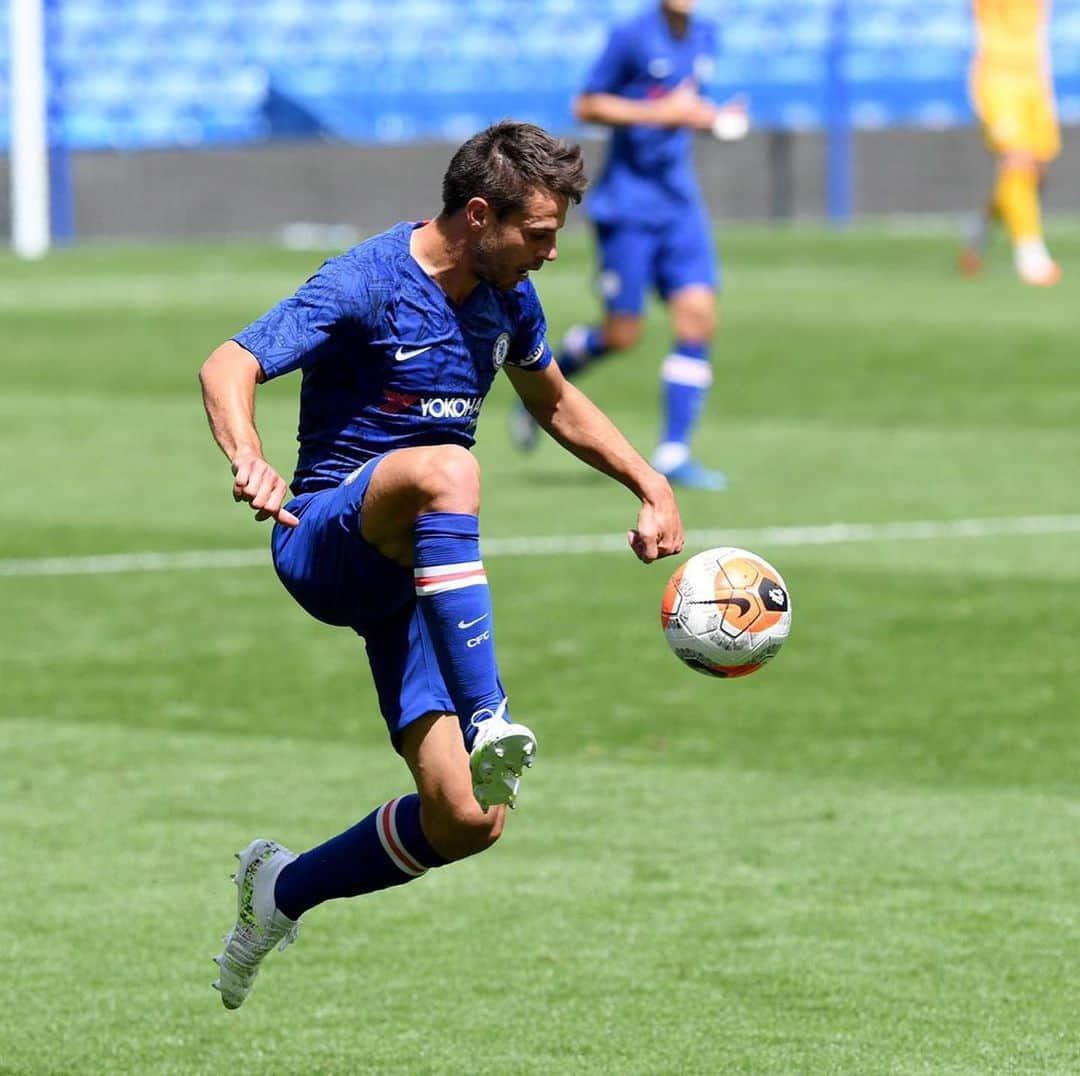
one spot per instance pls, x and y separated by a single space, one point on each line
150 71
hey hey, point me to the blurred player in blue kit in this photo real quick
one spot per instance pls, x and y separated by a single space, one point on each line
652 227
399 340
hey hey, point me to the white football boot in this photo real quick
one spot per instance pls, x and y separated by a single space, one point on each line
1034 264
500 751
259 924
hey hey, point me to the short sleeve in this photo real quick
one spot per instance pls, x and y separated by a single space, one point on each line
299 329
529 347
613 68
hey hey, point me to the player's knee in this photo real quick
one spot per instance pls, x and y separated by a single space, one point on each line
462 829
1018 161
451 481
704 326
696 323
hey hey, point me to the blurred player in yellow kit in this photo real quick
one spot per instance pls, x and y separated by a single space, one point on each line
1012 92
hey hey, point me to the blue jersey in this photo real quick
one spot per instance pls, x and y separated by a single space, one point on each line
388 360
649 173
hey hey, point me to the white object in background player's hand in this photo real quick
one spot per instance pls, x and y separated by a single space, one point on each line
732 119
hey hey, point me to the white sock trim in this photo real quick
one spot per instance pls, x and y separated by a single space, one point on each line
386 827
575 340
669 455
687 370
1031 254
443 577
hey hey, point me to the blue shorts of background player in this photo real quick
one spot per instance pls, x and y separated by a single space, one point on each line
635 260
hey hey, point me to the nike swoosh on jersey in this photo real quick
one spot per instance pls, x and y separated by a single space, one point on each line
403 353
463 625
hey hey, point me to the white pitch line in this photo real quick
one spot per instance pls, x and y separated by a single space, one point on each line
539 545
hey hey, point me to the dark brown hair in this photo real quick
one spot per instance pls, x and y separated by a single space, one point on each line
503 163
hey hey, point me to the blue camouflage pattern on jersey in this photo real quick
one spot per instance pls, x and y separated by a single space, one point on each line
388 360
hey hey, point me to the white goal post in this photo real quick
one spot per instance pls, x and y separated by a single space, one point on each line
29 150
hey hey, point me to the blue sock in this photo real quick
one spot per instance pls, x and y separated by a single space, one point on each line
686 376
387 848
453 597
580 345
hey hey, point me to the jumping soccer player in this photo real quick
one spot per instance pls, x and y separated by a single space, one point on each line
399 340
1012 91
651 224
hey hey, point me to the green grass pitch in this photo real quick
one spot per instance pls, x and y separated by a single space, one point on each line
862 860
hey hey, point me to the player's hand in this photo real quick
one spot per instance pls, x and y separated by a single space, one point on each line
256 482
684 107
659 530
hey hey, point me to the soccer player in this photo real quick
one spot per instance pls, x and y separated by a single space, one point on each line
1012 92
399 340
651 224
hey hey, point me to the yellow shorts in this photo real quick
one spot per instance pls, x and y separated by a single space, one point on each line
1017 114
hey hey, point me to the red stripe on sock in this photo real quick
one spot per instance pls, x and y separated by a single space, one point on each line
427 580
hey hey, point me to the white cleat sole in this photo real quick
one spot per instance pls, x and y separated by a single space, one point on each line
497 764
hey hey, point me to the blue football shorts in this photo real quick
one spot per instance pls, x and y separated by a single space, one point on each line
340 579
634 259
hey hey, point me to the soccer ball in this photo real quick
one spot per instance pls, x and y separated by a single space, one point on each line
726 612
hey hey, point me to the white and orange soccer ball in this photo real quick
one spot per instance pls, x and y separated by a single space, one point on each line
726 612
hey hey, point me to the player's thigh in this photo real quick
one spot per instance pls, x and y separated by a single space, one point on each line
687 257
1009 111
325 564
1045 132
453 821
626 255
409 482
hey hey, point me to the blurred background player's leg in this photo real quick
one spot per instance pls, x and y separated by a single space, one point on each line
678 259
687 278
580 346
1021 128
1017 197
980 233
1035 264
625 257
686 377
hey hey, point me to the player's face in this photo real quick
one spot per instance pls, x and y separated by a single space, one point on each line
678 7
508 250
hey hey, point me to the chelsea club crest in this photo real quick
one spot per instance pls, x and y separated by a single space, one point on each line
500 350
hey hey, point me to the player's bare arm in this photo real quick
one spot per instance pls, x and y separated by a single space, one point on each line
582 428
229 377
682 107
